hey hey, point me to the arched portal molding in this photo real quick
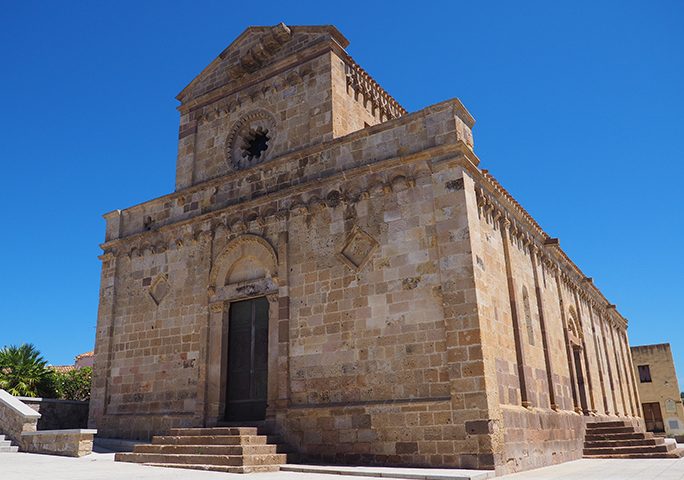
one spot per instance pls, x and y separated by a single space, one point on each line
574 331
247 258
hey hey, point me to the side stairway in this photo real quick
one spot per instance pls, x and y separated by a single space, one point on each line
6 446
621 440
221 449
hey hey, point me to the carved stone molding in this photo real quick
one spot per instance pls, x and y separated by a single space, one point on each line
217 307
159 289
244 247
552 257
272 298
259 54
371 92
258 122
358 249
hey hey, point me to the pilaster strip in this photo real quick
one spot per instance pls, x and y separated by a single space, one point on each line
617 367
542 323
584 352
568 350
519 355
599 363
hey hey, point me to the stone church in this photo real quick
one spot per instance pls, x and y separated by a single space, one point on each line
344 272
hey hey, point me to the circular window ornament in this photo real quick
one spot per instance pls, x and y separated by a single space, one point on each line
251 140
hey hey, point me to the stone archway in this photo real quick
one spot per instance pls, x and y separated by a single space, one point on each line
575 338
247 258
245 270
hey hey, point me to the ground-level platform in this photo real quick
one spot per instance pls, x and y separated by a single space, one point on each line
99 466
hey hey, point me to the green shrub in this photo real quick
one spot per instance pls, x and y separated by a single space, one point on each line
24 372
74 384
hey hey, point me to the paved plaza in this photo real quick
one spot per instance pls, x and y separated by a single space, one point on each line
101 466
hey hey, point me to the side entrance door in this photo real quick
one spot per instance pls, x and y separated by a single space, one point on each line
653 417
580 380
247 360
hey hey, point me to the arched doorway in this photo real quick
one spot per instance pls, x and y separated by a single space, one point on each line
575 340
242 340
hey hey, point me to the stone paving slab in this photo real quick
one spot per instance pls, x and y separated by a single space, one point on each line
386 472
27 466
607 469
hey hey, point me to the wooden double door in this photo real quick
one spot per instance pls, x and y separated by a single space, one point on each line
246 389
653 417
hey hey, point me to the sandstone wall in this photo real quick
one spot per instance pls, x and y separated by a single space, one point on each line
278 180
352 111
152 359
58 414
298 100
540 327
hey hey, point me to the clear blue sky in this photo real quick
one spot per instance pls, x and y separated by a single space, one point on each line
579 108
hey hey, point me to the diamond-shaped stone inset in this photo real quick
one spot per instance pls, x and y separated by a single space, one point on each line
358 249
159 289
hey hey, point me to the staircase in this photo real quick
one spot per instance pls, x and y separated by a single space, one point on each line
619 439
220 449
6 446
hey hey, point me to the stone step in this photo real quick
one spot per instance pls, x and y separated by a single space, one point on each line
210 440
627 450
220 468
676 453
595 425
591 437
193 459
608 430
208 449
184 432
9 449
619 440
624 443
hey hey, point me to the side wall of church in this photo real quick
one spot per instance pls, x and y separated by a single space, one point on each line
526 304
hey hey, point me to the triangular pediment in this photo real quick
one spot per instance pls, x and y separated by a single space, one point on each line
255 49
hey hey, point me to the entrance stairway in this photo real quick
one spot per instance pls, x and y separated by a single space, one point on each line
6 446
221 449
619 439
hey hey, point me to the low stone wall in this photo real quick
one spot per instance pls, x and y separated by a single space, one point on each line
19 423
16 418
68 443
535 438
58 414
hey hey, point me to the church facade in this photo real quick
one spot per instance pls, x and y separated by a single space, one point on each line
345 271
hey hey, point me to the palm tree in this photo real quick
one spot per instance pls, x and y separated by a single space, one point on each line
23 371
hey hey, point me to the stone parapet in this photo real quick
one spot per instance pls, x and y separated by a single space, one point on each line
19 422
535 438
58 414
67 443
16 418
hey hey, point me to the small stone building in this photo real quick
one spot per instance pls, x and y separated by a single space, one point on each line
84 360
345 271
661 400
